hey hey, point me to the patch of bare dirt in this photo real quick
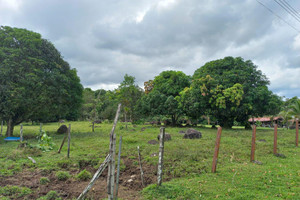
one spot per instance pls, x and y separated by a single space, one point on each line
129 185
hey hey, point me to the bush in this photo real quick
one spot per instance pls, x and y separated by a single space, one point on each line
84 175
44 180
62 176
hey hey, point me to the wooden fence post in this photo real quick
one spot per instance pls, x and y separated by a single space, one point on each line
1 127
21 133
217 147
253 143
118 168
275 139
161 156
297 132
69 140
62 144
41 127
112 153
141 169
93 127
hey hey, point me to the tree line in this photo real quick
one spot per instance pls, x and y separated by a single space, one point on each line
226 92
36 84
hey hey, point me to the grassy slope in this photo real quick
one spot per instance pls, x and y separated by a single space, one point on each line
187 162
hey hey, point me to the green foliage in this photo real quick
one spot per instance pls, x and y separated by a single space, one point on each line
161 101
84 175
233 90
51 195
14 191
62 175
44 141
35 82
44 181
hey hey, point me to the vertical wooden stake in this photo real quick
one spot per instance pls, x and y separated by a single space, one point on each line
275 139
217 147
21 133
93 127
253 143
112 153
161 156
118 168
69 140
41 127
141 169
1 127
297 132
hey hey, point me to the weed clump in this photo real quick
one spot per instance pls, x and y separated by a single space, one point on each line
14 191
84 175
51 195
62 175
44 180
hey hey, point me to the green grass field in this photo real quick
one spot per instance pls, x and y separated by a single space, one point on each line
187 163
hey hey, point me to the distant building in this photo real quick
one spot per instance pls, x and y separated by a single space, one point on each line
267 121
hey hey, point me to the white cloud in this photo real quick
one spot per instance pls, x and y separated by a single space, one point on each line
104 40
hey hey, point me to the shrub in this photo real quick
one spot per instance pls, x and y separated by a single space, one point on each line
62 176
84 175
44 180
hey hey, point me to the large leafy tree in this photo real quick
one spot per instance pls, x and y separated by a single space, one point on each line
35 82
161 100
235 74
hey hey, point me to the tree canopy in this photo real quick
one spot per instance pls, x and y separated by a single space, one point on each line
235 89
35 82
161 100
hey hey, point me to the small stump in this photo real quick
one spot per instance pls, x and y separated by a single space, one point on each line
192 134
62 129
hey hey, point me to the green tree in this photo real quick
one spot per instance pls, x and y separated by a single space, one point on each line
233 75
161 101
35 82
128 94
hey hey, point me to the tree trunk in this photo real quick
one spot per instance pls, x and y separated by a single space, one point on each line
10 128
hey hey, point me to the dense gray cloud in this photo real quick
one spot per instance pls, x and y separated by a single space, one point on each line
104 40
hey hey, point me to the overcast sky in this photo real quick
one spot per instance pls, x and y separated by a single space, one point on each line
105 39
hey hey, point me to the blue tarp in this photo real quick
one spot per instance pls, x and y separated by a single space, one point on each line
12 139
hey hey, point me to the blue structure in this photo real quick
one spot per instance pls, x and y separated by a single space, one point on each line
12 139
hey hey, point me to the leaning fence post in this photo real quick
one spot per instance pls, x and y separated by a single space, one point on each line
69 140
160 156
217 147
62 144
118 168
253 143
297 131
112 153
275 139
95 177
21 133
